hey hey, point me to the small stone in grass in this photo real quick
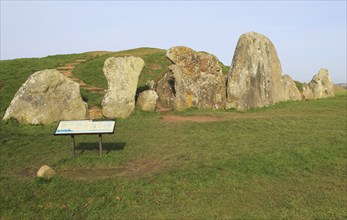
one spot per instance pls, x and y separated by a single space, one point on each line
45 172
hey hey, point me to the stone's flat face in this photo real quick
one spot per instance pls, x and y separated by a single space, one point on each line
197 80
45 97
122 74
147 100
307 91
321 86
255 78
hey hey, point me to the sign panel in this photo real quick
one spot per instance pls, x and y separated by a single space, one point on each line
85 127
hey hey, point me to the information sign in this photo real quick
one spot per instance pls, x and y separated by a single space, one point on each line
80 127
85 127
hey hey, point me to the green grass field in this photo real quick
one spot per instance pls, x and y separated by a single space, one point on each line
287 161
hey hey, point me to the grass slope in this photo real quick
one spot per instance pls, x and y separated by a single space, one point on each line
156 65
285 161
15 72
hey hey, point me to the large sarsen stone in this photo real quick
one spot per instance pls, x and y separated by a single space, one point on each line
198 79
122 74
255 78
45 97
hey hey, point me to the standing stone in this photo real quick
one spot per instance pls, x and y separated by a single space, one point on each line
321 86
122 74
45 97
255 78
198 78
307 91
290 90
45 172
147 100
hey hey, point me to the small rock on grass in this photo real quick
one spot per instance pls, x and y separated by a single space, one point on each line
45 172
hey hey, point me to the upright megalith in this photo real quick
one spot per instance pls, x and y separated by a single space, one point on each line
198 79
255 78
45 97
290 90
321 86
122 74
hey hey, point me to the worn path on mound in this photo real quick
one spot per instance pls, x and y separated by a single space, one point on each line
67 70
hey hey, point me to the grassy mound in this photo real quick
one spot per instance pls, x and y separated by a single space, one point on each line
286 161
156 65
15 72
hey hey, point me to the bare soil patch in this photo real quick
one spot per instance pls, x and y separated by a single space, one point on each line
136 168
176 118
155 66
95 112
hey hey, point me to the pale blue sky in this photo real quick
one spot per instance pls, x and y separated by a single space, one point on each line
308 35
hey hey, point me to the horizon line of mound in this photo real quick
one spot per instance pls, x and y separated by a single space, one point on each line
47 96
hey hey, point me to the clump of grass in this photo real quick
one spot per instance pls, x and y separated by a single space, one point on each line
225 69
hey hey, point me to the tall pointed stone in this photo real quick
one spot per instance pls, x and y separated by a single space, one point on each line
255 78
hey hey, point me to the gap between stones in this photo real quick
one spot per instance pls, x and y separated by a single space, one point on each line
94 111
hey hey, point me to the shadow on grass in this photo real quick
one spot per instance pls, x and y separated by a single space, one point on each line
106 147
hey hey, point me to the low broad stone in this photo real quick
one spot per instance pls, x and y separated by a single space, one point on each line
45 172
198 79
122 74
321 86
45 97
147 100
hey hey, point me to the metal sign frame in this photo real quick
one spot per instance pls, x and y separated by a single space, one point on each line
85 127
